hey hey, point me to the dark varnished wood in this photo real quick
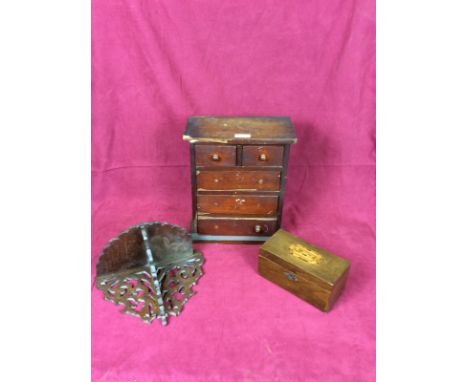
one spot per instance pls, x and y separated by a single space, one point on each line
149 269
238 179
245 178
261 130
237 204
236 226
309 272
284 177
215 155
194 182
126 253
262 155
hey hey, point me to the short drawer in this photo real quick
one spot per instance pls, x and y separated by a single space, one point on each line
238 204
262 155
236 226
247 180
215 155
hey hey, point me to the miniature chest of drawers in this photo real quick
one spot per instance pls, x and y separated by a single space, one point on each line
238 167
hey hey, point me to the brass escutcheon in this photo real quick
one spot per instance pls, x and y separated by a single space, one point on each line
290 276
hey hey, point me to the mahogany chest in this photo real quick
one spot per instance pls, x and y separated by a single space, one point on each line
309 272
238 167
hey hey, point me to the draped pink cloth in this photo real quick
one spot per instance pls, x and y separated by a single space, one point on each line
154 64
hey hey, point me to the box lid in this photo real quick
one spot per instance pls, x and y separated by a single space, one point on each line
262 130
309 258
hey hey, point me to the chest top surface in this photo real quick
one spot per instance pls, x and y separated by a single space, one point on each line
241 130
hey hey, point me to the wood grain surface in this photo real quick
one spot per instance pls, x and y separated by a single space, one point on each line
237 204
236 226
262 155
238 179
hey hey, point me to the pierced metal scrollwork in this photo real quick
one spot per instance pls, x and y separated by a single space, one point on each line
150 270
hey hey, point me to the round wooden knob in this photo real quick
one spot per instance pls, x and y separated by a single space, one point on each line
263 157
215 157
260 181
258 228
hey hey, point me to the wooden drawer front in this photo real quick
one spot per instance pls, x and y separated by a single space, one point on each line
262 155
237 204
236 227
215 155
250 180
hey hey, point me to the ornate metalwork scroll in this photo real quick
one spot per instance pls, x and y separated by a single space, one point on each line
150 270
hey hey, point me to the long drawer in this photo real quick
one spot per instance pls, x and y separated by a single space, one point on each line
241 226
237 204
248 180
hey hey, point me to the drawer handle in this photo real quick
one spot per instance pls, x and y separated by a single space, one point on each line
215 157
261 228
239 202
263 157
260 181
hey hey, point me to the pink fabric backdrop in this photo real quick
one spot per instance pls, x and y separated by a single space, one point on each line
155 63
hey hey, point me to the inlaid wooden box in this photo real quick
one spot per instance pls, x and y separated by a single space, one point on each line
239 167
309 272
